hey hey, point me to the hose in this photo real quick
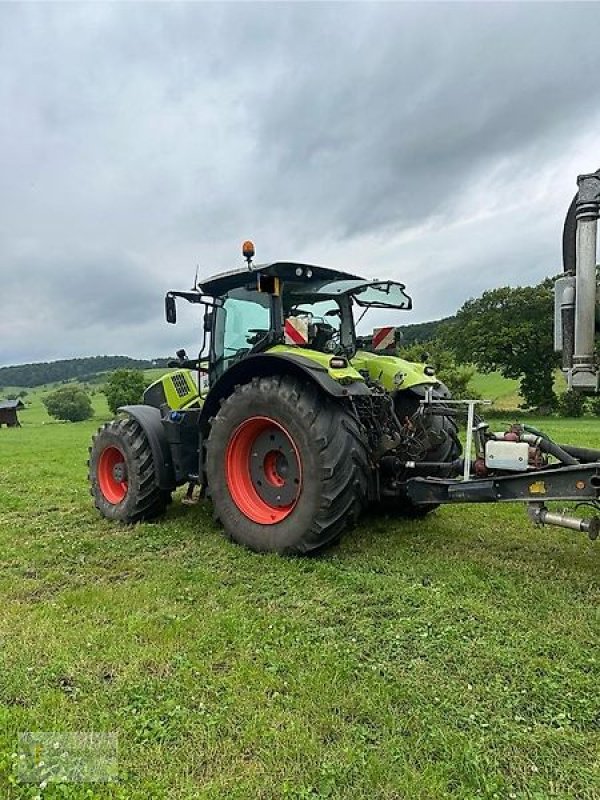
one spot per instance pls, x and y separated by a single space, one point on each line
569 238
586 455
537 431
553 449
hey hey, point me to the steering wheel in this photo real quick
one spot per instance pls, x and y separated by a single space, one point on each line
257 335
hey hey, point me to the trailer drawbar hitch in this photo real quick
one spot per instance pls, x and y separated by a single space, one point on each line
540 515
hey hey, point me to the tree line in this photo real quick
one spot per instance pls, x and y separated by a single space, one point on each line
422 331
71 369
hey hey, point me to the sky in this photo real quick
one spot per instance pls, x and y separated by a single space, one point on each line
436 144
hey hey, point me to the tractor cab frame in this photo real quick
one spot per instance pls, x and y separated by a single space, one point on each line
247 311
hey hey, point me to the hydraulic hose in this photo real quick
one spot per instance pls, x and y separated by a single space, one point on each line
553 449
569 238
586 455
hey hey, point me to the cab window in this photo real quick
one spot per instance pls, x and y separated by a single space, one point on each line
243 319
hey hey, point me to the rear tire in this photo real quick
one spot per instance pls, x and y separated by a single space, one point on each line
122 475
287 467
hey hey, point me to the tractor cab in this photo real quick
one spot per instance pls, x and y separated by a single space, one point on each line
288 310
295 305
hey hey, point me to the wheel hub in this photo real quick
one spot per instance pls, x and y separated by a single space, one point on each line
263 470
119 472
274 468
112 475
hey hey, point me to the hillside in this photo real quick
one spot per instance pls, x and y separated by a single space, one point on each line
422 331
86 369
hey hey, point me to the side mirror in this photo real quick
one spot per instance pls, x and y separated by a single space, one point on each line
170 309
208 319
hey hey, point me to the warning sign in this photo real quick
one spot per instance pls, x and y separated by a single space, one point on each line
295 330
383 338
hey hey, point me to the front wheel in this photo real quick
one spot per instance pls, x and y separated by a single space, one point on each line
287 467
122 474
439 435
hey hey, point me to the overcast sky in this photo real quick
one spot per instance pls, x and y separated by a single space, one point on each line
435 144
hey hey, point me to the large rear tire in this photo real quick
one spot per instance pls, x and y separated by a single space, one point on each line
287 468
122 474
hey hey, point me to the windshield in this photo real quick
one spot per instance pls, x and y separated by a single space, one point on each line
323 322
369 294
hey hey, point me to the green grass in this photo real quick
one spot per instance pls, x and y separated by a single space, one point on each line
503 392
454 657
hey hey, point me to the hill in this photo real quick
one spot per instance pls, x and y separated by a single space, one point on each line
422 331
70 369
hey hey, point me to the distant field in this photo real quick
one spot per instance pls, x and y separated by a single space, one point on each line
452 657
503 392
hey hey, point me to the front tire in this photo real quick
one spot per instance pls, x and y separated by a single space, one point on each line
287 467
122 475
444 446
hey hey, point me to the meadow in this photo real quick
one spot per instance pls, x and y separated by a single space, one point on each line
451 657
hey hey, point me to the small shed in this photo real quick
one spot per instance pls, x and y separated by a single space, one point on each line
8 413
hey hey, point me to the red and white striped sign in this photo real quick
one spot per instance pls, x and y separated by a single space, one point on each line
295 330
383 338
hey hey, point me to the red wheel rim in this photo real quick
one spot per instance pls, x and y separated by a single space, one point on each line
112 475
263 470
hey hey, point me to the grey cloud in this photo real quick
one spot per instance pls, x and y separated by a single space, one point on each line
139 140
454 91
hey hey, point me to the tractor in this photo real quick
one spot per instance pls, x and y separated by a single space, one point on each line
293 425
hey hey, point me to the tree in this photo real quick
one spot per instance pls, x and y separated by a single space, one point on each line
456 377
69 403
594 405
124 387
572 404
510 330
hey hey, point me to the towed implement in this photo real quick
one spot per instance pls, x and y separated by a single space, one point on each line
293 425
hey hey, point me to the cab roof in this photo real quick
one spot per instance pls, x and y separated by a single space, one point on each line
299 273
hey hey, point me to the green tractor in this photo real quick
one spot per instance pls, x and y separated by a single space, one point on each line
288 421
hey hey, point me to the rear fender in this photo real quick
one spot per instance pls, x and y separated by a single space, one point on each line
150 420
264 365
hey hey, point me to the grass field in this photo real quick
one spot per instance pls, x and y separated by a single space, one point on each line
454 657
503 392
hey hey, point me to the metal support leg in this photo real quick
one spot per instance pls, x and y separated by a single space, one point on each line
469 442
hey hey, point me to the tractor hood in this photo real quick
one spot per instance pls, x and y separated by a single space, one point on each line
392 372
348 373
